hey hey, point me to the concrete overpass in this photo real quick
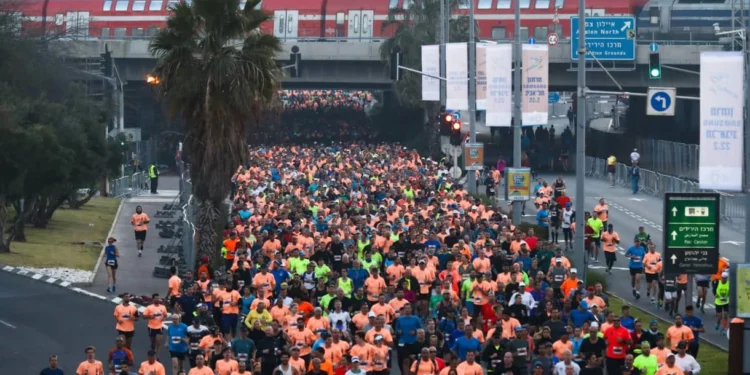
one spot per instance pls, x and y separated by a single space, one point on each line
344 64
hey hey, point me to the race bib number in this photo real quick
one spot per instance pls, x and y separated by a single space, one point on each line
364 363
379 363
125 317
477 299
176 340
300 344
617 350
157 315
558 278
374 295
241 283
194 346
337 258
242 357
521 352
110 262
723 299
669 283
227 302
636 259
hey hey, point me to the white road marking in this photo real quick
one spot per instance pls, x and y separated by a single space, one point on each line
735 243
86 292
37 276
603 267
51 280
7 324
8 268
636 199
65 284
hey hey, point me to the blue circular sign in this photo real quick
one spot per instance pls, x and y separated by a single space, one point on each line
532 41
660 101
553 97
653 47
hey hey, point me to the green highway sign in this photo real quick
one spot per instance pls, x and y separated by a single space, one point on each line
691 233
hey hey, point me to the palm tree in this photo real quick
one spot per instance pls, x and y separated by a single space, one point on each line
216 70
414 27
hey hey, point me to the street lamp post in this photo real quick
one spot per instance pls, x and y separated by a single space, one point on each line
472 92
581 143
517 114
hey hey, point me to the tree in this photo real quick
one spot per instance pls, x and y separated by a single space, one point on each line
216 70
414 27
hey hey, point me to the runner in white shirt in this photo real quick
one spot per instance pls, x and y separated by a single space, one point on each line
567 220
685 361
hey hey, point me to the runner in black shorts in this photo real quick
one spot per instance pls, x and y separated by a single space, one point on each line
140 225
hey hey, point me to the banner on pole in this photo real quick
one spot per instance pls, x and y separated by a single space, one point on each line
517 184
431 65
456 71
721 121
481 78
499 84
535 84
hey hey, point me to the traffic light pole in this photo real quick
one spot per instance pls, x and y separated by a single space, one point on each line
580 256
472 177
517 114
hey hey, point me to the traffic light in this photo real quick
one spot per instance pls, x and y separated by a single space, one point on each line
396 61
654 66
446 121
105 62
296 58
456 133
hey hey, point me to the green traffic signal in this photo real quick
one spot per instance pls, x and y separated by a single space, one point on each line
655 73
654 66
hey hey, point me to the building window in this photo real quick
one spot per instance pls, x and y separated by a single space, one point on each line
525 4
407 4
393 4
120 32
172 3
107 5
122 5
498 33
559 3
155 5
137 32
524 33
139 5
542 4
540 33
503 4
484 4
463 4
105 32
152 31
242 4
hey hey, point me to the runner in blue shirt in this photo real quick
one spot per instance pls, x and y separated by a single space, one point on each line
696 324
636 253
178 342
52 369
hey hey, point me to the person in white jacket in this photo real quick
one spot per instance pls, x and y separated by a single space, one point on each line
686 362
526 297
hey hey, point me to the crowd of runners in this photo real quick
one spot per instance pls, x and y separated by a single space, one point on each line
355 259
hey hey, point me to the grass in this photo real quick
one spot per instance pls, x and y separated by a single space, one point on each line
60 244
713 360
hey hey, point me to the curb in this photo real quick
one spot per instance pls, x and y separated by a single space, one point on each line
90 281
115 300
710 342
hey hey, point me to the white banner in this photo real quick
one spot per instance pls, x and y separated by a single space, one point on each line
721 132
456 71
481 78
499 84
535 78
431 65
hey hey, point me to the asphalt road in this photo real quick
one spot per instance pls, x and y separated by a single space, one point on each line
627 213
38 320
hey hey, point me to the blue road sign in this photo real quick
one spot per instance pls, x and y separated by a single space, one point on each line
532 41
554 97
607 38
653 47
661 101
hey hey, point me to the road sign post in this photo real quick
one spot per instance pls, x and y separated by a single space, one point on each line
691 235
607 38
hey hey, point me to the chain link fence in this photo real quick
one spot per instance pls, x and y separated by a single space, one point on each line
131 185
655 183
672 158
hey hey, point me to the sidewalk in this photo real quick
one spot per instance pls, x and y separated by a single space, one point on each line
134 274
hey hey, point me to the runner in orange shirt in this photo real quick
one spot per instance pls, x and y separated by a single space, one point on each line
90 366
125 315
610 239
152 366
155 313
140 225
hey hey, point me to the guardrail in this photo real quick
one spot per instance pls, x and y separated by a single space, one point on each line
653 183
132 185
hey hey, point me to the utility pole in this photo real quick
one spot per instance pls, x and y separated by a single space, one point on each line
472 91
580 257
517 114
442 51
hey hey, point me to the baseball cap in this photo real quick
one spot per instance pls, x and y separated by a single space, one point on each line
682 345
584 304
573 270
558 260
522 283
725 274
371 315
355 359
519 328
567 204
538 364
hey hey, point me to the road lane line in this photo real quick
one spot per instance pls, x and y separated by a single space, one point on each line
7 324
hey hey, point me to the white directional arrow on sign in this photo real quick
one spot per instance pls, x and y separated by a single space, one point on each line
674 236
637 199
674 211
626 26
674 258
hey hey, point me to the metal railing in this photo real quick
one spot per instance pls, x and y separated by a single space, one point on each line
673 158
655 183
131 185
